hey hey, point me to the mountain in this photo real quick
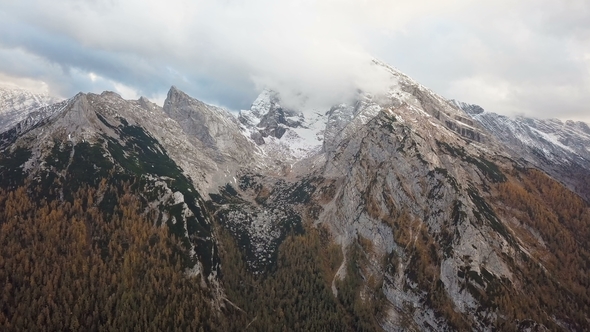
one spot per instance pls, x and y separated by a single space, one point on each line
397 211
283 134
18 104
560 149
96 137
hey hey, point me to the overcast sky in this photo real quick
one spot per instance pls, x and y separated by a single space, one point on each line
511 57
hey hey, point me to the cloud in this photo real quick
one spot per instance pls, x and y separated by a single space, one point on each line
35 86
509 57
526 58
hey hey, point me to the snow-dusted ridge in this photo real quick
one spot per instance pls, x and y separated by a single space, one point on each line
282 134
16 105
562 149
290 136
558 141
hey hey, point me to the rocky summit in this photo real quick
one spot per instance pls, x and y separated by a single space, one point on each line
399 211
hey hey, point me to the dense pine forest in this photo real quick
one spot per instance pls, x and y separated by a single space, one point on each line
67 265
64 266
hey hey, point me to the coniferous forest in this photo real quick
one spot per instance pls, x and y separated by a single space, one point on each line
69 266
64 266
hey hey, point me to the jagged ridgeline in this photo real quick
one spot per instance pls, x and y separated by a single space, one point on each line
123 154
396 212
559 148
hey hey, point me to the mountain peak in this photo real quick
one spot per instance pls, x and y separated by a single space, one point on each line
175 93
173 90
111 94
213 128
470 109
266 100
177 98
146 104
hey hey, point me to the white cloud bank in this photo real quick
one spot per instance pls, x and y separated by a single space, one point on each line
530 57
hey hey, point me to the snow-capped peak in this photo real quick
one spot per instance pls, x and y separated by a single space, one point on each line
16 105
282 134
264 102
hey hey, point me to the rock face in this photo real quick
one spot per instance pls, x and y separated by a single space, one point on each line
388 171
560 149
425 196
215 129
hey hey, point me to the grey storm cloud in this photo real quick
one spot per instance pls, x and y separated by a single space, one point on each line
526 57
